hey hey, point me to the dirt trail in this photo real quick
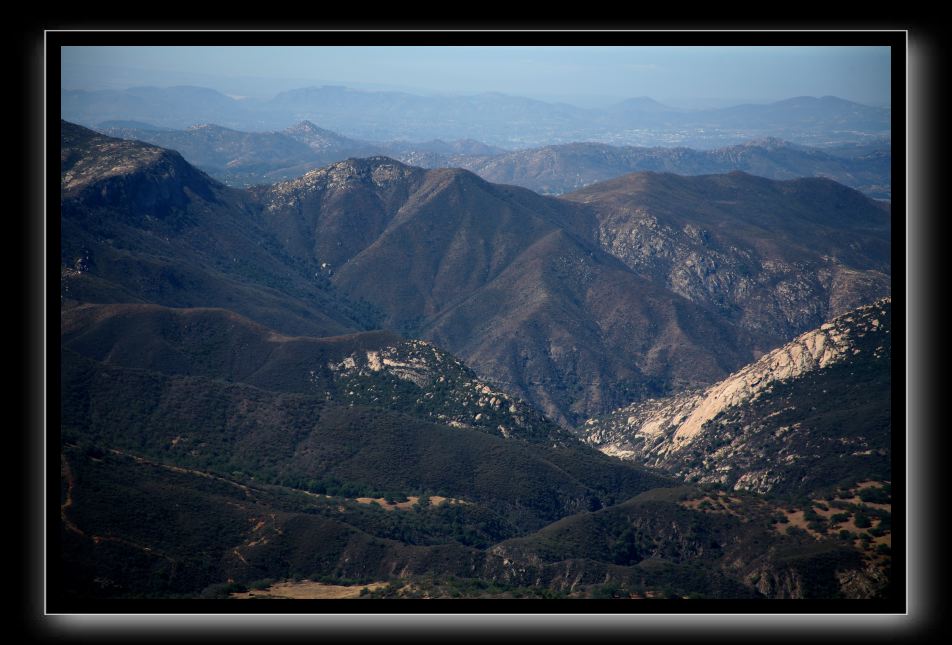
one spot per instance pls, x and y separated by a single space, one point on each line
67 474
180 469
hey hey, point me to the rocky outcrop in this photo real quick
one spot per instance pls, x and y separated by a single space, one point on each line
686 433
775 257
438 386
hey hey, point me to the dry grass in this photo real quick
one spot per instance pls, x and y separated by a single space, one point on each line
309 590
412 500
798 519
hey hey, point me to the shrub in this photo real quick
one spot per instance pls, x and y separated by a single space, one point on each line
875 495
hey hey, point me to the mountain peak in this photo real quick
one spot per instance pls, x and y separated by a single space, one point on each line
305 127
361 167
374 172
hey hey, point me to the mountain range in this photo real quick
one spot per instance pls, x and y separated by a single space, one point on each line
379 375
248 158
540 295
498 119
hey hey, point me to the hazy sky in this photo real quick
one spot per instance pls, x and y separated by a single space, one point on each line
581 75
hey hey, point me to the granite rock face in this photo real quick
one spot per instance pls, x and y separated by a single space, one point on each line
775 257
753 429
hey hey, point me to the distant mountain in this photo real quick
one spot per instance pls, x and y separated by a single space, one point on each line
497 119
642 105
776 257
106 126
248 158
227 154
561 169
169 107
245 159
460 147
810 416
803 112
399 115
324 141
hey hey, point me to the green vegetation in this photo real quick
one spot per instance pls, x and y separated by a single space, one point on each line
876 495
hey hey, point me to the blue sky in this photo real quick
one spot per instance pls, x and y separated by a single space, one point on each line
588 76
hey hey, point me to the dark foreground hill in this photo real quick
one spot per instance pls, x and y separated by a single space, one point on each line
133 527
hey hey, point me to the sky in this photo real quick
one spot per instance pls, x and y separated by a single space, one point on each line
588 76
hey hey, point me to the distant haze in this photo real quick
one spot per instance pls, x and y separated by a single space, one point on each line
689 77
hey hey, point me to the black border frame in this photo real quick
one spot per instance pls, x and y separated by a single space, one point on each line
892 37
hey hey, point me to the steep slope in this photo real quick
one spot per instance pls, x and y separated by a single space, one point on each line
778 257
508 280
809 416
139 224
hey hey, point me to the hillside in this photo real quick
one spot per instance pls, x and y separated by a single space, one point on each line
776 257
805 418
378 369
134 527
693 543
504 278
139 224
